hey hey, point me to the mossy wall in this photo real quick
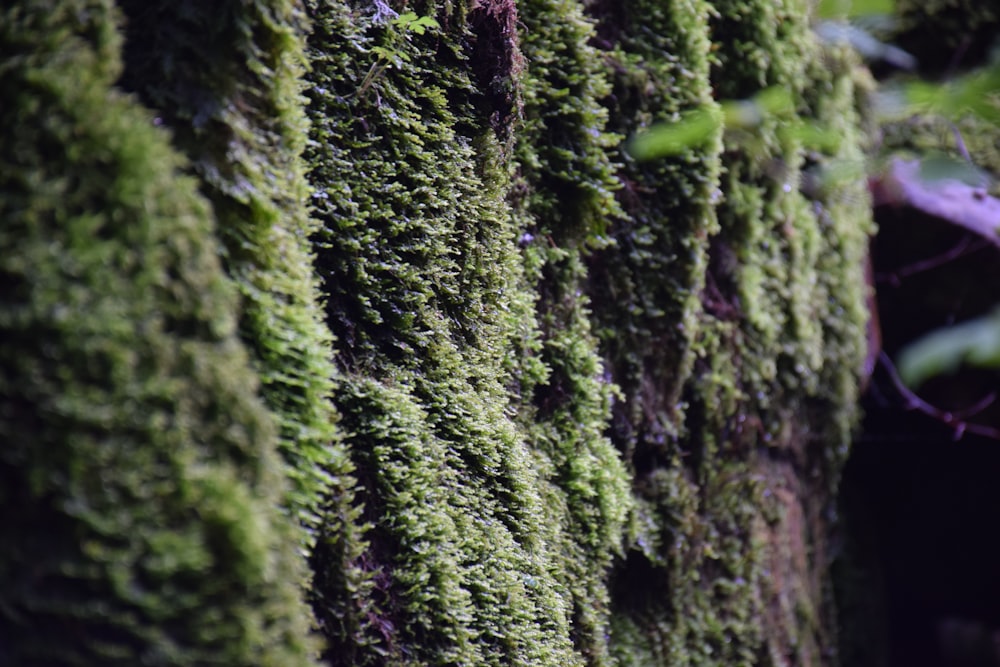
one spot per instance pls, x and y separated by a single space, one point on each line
742 301
482 544
591 410
139 482
224 78
728 306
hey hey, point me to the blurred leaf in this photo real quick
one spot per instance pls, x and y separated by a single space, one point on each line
821 180
975 93
699 126
693 129
775 100
866 44
890 103
814 136
946 168
831 9
976 342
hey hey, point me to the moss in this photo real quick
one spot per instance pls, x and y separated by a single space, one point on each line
734 312
224 79
799 283
425 291
139 478
647 283
646 288
563 203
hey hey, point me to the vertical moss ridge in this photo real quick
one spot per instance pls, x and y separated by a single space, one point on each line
648 282
424 287
563 203
139 480
744 299
225 79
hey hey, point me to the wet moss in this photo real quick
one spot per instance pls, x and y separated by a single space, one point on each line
526 317
647 283
739 358
225 79
563 203
139 479
424 289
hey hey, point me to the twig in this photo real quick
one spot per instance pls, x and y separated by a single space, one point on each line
954 420
963 247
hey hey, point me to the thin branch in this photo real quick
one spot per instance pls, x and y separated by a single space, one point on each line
960 143
963 247
954 420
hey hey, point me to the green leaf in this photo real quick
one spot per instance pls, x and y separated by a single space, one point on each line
410 22
699 126
405 19
694 129
976 342
945 168
974 94
420 25
814 136
833 9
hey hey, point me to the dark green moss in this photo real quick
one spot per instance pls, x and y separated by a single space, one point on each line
732 312
647 283
138 479
648 292
424 290
563 201
224 78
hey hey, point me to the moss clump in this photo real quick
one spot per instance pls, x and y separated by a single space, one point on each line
224 78
563 202
734 312
138 479
425 291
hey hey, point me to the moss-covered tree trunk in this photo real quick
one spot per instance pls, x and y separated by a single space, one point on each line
139 477
489 244
592 411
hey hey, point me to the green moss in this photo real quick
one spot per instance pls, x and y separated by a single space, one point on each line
647 283
139 478
733 307
224 78
425 291
563 202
